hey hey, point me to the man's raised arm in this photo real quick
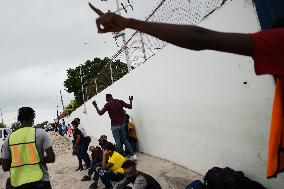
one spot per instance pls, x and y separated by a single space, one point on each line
100 112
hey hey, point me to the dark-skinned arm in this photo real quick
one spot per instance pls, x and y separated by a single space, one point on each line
186 36
105 164
6 164
196 38
129 106
50 156
100 112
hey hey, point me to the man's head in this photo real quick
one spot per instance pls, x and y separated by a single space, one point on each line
77 120
129 167
74 124
109 147
26 115
95 150
108 97
102 140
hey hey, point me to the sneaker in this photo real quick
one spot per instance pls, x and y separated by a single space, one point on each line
94 185
86 178
80 169
134 157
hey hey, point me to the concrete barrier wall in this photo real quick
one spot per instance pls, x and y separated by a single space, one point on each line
199 109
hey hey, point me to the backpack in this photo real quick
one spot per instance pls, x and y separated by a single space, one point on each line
197 184
227 178
224 178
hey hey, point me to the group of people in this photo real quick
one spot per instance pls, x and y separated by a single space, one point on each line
108 159
28 150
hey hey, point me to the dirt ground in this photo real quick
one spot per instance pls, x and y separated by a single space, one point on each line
63 175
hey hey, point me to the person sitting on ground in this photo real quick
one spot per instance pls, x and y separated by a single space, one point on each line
139 179
97 158
130 134
79 144
24 154
111 167
103 140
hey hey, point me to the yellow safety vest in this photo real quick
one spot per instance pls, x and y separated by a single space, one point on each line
25 166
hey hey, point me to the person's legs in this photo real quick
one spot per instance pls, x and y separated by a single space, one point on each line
108 176
116 136
122 135
91 169
86 155
80 156
133 145
96 178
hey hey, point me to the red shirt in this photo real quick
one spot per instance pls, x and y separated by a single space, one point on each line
269 53
115 111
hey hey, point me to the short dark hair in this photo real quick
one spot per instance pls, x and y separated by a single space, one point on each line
128 163
108 96
26 114
109 146
74 123
77 119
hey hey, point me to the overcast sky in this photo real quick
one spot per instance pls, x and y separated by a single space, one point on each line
39 40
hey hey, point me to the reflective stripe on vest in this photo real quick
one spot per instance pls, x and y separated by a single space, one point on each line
25 166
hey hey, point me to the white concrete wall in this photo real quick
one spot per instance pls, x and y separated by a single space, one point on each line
193 108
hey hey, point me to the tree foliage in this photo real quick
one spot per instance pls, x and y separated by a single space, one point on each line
96 76
2 125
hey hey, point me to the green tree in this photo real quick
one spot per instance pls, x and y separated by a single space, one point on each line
90 69
2 125
94 73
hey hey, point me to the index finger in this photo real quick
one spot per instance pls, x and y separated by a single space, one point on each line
98 11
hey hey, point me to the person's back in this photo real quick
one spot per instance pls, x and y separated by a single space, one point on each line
115 111
24 154
139 179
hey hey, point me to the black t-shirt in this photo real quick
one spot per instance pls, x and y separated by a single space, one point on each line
75 136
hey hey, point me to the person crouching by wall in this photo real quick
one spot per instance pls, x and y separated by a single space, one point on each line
97 158
79 145
130 134
111 167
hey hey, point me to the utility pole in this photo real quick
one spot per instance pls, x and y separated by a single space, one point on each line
82 88
1 116
61 100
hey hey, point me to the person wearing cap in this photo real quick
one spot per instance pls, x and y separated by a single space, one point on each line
97 157
114 107
139 179
111 169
